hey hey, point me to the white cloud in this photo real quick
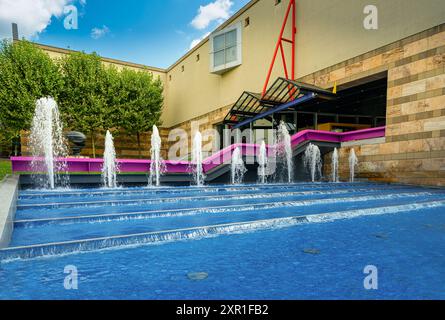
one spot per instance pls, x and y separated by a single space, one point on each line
97 33
32 16
219 10
197 41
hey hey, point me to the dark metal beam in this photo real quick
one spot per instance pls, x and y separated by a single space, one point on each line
272 111
243 113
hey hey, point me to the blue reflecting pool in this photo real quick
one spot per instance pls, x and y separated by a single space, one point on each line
299 241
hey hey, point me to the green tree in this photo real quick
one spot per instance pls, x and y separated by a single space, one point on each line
26 74
114 97
140 101
84 97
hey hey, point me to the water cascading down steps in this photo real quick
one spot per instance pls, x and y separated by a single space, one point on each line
59 223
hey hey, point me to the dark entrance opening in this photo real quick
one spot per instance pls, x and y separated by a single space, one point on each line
359 105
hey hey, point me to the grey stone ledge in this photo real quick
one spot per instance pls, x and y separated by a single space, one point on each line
9 188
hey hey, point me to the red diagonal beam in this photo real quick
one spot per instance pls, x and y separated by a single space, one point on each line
290 9
283 57
294 33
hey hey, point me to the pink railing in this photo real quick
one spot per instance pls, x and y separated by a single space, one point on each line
76 165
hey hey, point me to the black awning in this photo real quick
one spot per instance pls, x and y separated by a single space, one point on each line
251 107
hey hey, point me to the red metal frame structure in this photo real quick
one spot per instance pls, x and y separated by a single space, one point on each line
291 9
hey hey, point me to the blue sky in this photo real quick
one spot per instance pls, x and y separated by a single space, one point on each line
155 32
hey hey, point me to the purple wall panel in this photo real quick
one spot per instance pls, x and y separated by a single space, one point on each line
22 164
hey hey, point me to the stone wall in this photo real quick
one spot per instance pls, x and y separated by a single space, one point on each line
126 145
203 123
414 151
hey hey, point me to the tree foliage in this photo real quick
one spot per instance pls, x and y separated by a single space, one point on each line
92 97
26 74
139 103
83 99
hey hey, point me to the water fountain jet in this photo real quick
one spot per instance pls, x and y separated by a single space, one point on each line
47 142
110 167
312 161
197 159
262 161
353 163
284 150
238 167
335 174
157 167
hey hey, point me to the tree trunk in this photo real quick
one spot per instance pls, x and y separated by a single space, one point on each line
16 145
139 145
93 144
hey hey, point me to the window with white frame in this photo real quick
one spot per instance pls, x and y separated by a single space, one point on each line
225 47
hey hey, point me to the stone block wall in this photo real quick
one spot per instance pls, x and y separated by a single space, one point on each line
126 145
202 123
414 151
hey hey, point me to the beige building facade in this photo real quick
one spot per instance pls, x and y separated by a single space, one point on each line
328 33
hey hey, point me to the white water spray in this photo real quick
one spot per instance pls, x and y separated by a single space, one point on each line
110 168
47 142
284 150
262 161
197 158
238 167
335 173
157 167
312 161
353 163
